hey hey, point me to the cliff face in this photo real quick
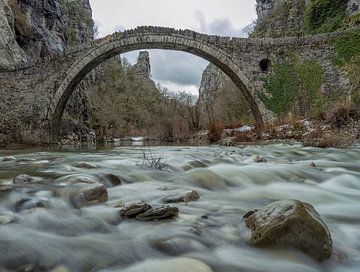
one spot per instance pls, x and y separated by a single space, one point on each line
279 18
48 26
11 53
36 28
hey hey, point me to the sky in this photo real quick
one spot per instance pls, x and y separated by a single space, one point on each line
178 71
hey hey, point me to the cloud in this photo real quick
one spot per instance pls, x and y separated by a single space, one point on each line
219 26
181 69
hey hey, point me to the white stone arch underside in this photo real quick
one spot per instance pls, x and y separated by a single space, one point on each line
99 53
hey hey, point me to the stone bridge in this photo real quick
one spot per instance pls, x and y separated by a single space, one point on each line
34 95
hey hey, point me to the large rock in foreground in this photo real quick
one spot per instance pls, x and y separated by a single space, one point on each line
290 223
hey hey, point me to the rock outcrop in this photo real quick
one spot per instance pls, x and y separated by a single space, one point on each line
290 223
279 18
11 53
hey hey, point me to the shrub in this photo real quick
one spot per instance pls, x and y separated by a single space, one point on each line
339 116
215 131
347 56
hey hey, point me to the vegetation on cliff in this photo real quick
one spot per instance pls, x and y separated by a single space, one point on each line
347 56
294 86
324 15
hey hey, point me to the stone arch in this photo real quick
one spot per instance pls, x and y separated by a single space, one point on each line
119 43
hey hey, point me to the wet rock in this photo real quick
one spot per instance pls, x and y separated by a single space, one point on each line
174 265
187 197
60 269
177 246
115 180
8 158
158 212
133 209
86 165
290 223
228 141
75 179
257 158
194 164
7 218
23 179
83 194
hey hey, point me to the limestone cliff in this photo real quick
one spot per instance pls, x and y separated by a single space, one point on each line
44 27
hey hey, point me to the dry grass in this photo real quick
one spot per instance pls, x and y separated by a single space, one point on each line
215 131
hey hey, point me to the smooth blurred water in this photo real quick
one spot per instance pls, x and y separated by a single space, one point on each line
210 230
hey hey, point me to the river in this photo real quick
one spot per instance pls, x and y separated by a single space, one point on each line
208 235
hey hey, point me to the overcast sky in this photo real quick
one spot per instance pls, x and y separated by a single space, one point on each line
177 71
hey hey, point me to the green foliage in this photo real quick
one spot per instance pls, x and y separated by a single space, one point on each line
282 89
324 15
347 48
294 86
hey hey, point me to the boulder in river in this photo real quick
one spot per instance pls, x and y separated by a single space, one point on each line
133 209
83 193
186 197
290 223
82 164
158 212
114 180
180 264
23 179
257 158
8 158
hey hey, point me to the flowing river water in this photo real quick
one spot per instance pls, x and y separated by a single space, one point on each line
208 235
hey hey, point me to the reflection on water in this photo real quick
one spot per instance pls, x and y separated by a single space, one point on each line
39 231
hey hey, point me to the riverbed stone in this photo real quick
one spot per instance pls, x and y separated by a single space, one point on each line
83 193
290 223
133 209
258 158
174 265
60 269
23 179
158 212
6 218
75 179
115 180
185 197
82 164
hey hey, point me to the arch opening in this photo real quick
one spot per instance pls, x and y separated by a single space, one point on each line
95 56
